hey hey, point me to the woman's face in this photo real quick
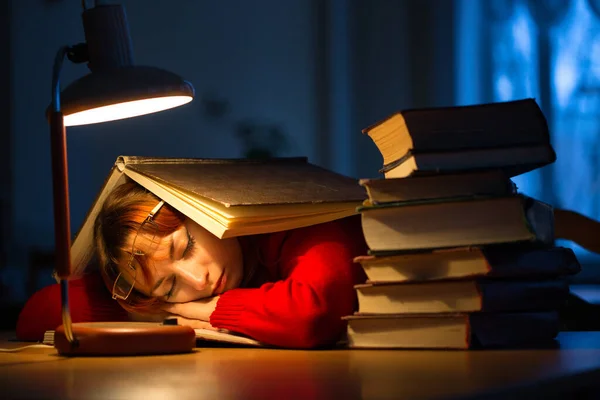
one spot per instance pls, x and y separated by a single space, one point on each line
191 264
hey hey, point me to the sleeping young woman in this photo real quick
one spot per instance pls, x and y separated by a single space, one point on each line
287 289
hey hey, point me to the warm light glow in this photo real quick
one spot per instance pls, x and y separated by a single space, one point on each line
128 109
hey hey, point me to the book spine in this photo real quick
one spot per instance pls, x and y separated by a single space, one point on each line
485 125
499 296
513 160
505 261
512 329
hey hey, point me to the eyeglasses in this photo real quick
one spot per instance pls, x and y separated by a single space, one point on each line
123 287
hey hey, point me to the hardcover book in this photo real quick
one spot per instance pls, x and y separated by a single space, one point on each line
441 186
447 129
232 197
467 262
513 161
452 331
462 296
455 223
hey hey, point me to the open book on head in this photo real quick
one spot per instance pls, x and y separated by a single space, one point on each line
231 197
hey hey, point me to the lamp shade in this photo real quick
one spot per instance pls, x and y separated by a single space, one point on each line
122 92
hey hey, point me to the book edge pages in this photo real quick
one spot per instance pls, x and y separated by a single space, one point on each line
122 160
522 233
219 210
178 203
82 245
428 162
372 338
220 204
225 231
369 294
224 337
81 248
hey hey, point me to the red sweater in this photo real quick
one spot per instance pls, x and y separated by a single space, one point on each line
306 287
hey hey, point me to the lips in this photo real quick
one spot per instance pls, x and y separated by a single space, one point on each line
219 284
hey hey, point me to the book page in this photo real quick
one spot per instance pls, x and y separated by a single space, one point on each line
226 337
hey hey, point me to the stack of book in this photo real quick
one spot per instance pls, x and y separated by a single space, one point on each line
458 258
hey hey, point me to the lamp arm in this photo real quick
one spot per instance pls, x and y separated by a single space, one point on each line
60 186
58 62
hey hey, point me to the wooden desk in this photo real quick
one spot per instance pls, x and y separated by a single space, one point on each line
235 373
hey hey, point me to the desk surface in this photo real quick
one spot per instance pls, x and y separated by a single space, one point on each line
241 373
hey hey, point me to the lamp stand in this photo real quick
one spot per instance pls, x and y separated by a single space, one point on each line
101 338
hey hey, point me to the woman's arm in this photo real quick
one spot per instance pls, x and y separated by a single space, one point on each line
573 226
89 301
304 308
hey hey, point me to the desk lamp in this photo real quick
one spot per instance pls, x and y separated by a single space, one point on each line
115 89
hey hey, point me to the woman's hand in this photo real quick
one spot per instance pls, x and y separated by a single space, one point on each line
193 310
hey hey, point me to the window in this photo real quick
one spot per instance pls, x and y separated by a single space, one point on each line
549 50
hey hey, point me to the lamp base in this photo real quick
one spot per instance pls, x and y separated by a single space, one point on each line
125 339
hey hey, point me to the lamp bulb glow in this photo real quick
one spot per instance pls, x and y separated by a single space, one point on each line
124 110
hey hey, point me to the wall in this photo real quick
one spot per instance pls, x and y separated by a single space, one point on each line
321 69
402 58
257 55
5 139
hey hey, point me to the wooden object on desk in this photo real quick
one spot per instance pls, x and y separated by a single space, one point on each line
233 373
124 339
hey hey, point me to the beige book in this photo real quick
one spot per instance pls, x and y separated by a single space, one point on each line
468 184
468 262
461 296
456 223
452 331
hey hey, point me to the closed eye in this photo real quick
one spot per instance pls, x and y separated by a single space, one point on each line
172 290
188 252
189 249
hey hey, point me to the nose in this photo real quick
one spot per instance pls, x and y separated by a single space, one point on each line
196 278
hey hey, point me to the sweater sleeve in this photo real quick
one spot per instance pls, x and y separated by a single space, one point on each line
89 301
304 308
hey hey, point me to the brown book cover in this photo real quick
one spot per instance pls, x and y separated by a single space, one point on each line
243 182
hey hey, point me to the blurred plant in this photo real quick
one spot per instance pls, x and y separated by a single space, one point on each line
261 141
214 106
